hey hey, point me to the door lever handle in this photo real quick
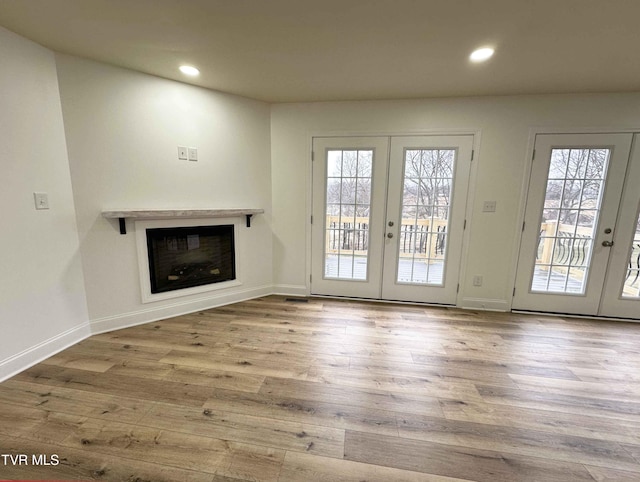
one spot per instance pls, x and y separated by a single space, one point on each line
607 244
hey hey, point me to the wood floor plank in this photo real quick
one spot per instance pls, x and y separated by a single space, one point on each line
93 363
470 362
242 382
300 467
515 440
605 474
525 356
286 356
79 402
461 374
331 346
620 410
117 351
305 410
160 340
457 461
109 384
433 386
351 396
556 422
634 450
178 450
249 429
621 391
605 376
17 419
268 367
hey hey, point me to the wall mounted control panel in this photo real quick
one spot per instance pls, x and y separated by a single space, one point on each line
41 199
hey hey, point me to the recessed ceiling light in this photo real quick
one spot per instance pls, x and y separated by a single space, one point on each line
189 70
481 55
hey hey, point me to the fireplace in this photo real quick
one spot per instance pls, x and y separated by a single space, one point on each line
191 256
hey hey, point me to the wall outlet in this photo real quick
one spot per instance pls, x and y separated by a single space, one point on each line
193 154
477 280
41 199
182 153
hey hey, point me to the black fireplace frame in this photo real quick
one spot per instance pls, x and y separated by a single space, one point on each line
182 232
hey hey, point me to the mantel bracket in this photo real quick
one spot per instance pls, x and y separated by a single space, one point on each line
249 216
123 226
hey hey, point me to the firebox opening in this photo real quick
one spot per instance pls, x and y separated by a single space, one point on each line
191 256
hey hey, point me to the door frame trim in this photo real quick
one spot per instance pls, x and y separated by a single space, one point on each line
471 187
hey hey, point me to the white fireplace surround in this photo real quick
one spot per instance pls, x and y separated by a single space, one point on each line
141 227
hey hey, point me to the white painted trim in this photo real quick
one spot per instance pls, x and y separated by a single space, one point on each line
522 206
464 131
31 356
485 304
291 290
468 215
126 320
308 212
579 317
584 130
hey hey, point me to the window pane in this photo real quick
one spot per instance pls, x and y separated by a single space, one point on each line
347 213
631 288
428 181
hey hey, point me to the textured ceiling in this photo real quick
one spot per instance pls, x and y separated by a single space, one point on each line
300 50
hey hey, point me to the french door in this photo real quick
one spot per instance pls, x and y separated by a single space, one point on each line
388 216
581 238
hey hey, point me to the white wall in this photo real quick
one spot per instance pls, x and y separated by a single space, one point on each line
42 297
123 129
505 125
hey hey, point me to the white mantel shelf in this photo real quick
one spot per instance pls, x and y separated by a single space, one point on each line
123 214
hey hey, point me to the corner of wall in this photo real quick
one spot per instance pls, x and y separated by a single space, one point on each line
31 356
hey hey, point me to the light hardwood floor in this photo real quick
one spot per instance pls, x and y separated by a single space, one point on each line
324 390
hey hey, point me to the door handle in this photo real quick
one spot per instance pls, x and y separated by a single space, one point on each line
389 235
607 244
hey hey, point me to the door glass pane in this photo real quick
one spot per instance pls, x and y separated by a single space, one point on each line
631 288
572 205
348 203
426 201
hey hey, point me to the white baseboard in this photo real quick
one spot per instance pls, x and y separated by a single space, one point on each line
291 290
31 356
485 304
150 314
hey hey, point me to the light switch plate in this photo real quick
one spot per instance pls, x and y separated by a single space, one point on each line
182 153
489 207
193 154
41 199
